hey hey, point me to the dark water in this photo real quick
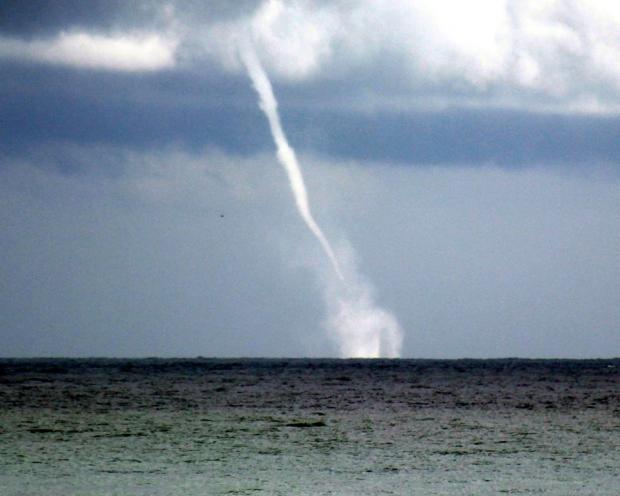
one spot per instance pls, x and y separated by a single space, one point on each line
305 427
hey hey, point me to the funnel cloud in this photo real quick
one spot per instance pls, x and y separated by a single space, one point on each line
359 327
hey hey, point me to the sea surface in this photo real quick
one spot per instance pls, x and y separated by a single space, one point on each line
94 427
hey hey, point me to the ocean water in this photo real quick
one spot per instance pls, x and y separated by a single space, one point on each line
309 427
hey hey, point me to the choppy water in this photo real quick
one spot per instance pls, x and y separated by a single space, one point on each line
309 427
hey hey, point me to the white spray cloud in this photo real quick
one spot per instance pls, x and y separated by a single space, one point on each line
360 328
355 322
127 53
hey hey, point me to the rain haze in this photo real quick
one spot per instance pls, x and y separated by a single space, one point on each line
461 162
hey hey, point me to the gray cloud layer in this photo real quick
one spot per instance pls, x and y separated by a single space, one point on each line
154 110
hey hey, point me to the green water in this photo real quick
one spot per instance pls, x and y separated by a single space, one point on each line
434 452
310 429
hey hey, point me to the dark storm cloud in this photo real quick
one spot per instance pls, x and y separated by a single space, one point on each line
43 104
501 137
42 17
34 18
196 102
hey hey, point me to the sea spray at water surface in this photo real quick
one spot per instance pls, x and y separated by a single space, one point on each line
359 327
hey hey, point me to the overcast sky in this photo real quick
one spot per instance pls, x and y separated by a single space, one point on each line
464 157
